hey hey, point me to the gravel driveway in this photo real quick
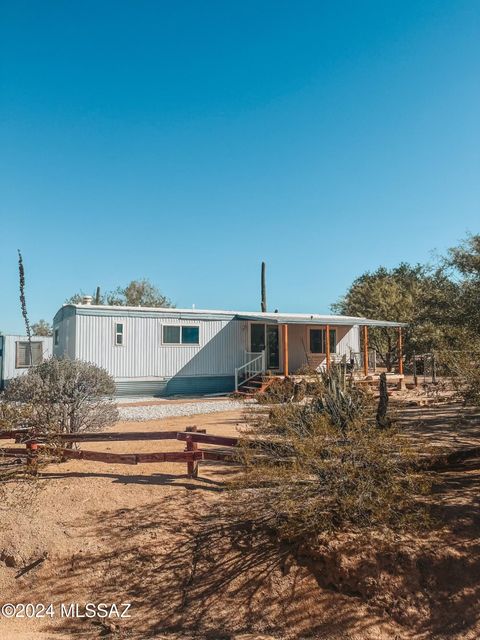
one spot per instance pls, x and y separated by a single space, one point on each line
159 411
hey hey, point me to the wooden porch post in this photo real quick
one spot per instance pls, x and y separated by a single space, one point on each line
400 353
365 350
285 348
327 345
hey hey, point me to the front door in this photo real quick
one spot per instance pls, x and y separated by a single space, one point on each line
265 337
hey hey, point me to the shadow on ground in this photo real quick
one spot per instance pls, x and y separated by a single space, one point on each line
195 572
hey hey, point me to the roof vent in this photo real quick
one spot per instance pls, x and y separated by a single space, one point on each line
87 299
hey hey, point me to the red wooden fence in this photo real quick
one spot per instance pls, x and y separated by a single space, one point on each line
190 455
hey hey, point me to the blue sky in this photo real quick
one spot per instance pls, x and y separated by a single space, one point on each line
187 141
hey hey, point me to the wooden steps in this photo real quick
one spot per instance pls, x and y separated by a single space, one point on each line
258 384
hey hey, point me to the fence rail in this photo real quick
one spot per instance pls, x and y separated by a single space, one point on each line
192 455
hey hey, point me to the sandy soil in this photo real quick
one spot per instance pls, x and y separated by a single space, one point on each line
150 536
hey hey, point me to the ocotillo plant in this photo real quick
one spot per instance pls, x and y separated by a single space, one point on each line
264 290
23 304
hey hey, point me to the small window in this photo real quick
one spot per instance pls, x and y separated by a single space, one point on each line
56 339
333 340
173 334
318 340
190 335
118 333
26 359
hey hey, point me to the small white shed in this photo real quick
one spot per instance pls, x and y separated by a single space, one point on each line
15 355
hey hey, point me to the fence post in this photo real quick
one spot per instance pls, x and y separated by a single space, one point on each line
192 466
434 369
32 452
415 378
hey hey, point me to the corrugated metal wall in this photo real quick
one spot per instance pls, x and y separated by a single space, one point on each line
9 370
221 348
65 323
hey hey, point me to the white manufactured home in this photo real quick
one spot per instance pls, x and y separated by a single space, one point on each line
162 351
16 357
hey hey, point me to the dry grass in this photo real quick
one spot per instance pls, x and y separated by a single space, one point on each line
325 467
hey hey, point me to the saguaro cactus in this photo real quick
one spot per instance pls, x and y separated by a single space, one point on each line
264 290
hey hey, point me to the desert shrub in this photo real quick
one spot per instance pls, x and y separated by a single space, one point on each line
65 396
463 370
280 390
14 416
325 466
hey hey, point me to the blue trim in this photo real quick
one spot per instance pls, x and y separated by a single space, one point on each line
176 386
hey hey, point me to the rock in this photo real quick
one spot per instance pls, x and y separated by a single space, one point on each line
10 559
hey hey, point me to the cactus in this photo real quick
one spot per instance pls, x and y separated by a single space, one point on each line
341 405
264 290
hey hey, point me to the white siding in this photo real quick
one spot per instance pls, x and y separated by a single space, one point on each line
9 369
221 348
66 337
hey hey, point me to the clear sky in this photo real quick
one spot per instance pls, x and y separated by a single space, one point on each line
187 141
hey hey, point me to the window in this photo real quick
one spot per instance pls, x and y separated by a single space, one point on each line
190 335
119 334
171 335
181 335
56 339
23 358
318 340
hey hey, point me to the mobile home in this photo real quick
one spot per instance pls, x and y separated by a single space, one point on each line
163 351
15 357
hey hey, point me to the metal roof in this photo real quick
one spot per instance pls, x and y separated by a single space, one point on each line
209 314
313 318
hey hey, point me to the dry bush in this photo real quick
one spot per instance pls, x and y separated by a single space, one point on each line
65 396
463 370
325 467
280 390
13 416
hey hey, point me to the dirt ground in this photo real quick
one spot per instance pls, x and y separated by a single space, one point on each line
150 536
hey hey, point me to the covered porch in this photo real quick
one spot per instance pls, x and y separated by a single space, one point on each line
283 345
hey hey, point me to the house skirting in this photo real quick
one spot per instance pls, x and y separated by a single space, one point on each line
178 385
